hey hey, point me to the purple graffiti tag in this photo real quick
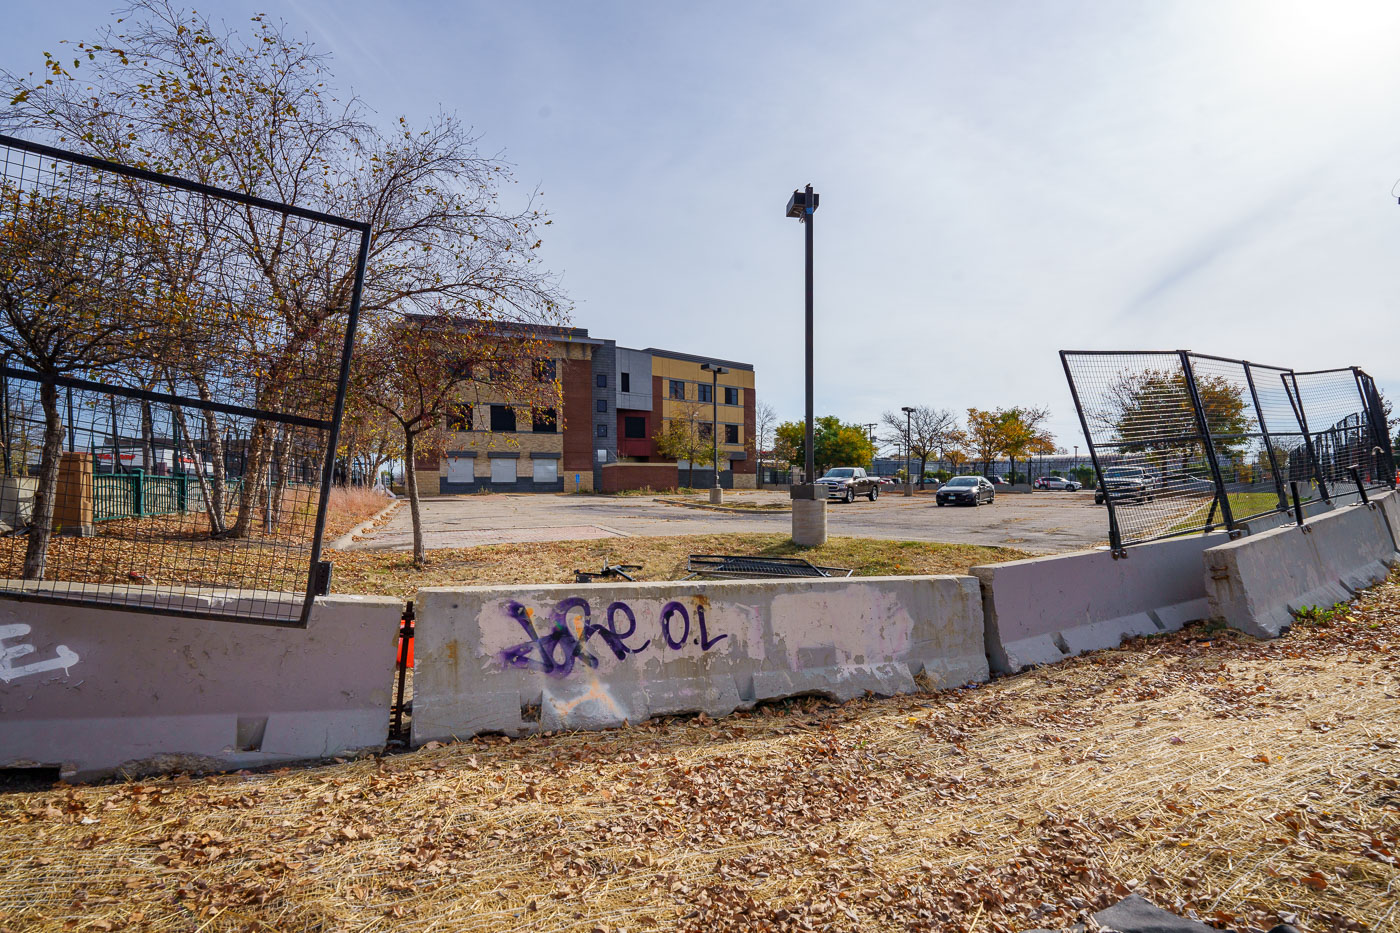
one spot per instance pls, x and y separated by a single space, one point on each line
706 642
616 640
560 636
667 611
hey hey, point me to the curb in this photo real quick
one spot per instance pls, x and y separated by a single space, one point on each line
345 540
722 508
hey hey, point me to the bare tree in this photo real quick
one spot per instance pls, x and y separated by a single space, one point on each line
765 419
174 91
930 432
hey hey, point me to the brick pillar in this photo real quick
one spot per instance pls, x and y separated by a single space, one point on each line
72 507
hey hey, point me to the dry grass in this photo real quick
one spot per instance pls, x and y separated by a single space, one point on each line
1237 780
392 573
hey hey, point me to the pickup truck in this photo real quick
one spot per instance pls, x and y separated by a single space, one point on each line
845 483
1127 484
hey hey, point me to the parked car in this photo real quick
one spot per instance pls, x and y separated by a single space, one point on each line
1127 484
997 481
845 483
966 490
1057 482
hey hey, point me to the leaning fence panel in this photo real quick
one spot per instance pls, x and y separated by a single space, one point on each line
172 383
1184 442
1146 442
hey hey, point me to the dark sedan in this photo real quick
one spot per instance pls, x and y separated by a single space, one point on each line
965 490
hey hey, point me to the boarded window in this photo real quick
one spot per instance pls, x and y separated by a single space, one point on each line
502 470
546 471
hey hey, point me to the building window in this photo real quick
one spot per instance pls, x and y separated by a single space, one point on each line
702 392
545 420
707 430
502 418
627 382
602 404
459 417
544 370
635 427
602 380
677 388
731 395
602 430
731 434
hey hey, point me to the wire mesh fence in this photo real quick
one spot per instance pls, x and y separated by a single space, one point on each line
173 379
1184 442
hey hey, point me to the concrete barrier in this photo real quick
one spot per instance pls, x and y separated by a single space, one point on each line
93 691
1045 609
581 656
1256 583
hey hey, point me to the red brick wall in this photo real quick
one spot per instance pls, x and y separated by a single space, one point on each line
620 476
577 384
656 420
750 439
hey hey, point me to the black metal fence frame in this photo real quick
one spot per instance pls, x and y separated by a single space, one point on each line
1368 398
319 572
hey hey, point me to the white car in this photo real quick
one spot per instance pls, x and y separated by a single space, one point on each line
1057 482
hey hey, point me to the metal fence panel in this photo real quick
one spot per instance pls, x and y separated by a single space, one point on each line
1184 442
191 437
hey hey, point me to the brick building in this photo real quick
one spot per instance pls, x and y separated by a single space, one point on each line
614 399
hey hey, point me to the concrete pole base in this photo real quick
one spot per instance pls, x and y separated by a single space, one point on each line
716 495
809 522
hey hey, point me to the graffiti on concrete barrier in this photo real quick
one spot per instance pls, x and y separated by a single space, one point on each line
571 627
64 657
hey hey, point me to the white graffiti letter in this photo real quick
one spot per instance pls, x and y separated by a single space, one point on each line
9 670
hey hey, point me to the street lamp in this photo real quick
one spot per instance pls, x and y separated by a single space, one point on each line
716 493
908 450
808 509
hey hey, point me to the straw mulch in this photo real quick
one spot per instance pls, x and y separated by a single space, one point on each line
1239 781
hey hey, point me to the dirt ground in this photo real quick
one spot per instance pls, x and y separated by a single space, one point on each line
1238 781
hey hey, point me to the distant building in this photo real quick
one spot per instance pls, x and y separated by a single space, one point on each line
614 400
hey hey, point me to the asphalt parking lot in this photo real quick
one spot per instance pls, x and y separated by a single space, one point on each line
1042 522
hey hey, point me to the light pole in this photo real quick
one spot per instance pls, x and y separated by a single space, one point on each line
908 450
716 493
808 509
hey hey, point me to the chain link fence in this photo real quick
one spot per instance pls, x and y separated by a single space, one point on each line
1186 442
174 374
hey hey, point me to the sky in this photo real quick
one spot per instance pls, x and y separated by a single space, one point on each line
998 181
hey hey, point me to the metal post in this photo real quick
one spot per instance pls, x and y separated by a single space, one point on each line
1295 399
1115 535
908 452
1268 440
809 219
1381 453
72 432
714 425
1204 425
1360 486
1297 503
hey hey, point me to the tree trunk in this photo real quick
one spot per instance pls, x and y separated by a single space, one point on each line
41 524
219 502
216 518
923 466
148 443
251 494
410 481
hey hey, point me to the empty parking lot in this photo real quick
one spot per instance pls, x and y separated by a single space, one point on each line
1040 522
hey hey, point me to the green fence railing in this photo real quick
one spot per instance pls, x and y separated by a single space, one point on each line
138 495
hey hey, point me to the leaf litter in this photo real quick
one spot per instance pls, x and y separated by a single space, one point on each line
1235 781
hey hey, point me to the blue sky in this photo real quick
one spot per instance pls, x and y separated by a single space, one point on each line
998 181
